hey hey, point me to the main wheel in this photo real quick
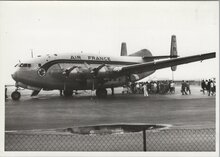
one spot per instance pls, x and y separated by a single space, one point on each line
15 95
101 93
68 93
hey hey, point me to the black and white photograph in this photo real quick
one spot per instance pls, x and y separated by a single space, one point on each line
104 78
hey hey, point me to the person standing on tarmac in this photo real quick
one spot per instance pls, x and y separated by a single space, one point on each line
183 88
138 88
61 92
212 87
188 87
172 87
145 89
203 86
208 87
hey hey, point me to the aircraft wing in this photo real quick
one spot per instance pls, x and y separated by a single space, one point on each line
150 66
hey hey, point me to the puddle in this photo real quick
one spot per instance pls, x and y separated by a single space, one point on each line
115 128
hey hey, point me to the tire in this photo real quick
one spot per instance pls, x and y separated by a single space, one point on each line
101 93
68 93
15 95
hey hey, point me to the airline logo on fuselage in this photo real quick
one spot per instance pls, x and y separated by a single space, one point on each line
95 58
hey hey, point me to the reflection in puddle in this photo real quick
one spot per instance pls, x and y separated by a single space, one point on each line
115 128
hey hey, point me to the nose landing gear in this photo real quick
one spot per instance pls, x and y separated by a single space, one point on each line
15 95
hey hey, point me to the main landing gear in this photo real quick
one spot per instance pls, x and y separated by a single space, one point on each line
68 93
101 92
15 95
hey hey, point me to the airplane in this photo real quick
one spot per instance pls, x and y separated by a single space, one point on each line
79 71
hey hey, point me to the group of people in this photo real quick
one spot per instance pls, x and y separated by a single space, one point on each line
209 86
150 87
185 88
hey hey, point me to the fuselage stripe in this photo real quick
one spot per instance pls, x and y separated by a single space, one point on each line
47 65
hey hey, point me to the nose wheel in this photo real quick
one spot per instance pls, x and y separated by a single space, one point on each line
15 95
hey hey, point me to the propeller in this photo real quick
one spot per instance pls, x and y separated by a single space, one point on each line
67 71
96 70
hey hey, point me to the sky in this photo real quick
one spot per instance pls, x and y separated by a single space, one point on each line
100 27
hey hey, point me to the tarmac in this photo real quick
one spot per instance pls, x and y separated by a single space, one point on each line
50 111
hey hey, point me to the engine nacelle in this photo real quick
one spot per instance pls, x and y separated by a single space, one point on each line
134 77
105 71
102 71
78 73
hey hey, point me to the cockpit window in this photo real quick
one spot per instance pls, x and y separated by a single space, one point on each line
25 65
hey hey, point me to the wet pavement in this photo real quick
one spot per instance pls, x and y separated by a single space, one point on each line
50 111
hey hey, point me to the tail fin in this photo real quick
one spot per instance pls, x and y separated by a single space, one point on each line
173 50
123 49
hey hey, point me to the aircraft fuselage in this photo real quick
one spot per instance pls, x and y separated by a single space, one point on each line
46 72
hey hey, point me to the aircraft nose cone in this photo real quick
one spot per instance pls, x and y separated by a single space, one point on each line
14 76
